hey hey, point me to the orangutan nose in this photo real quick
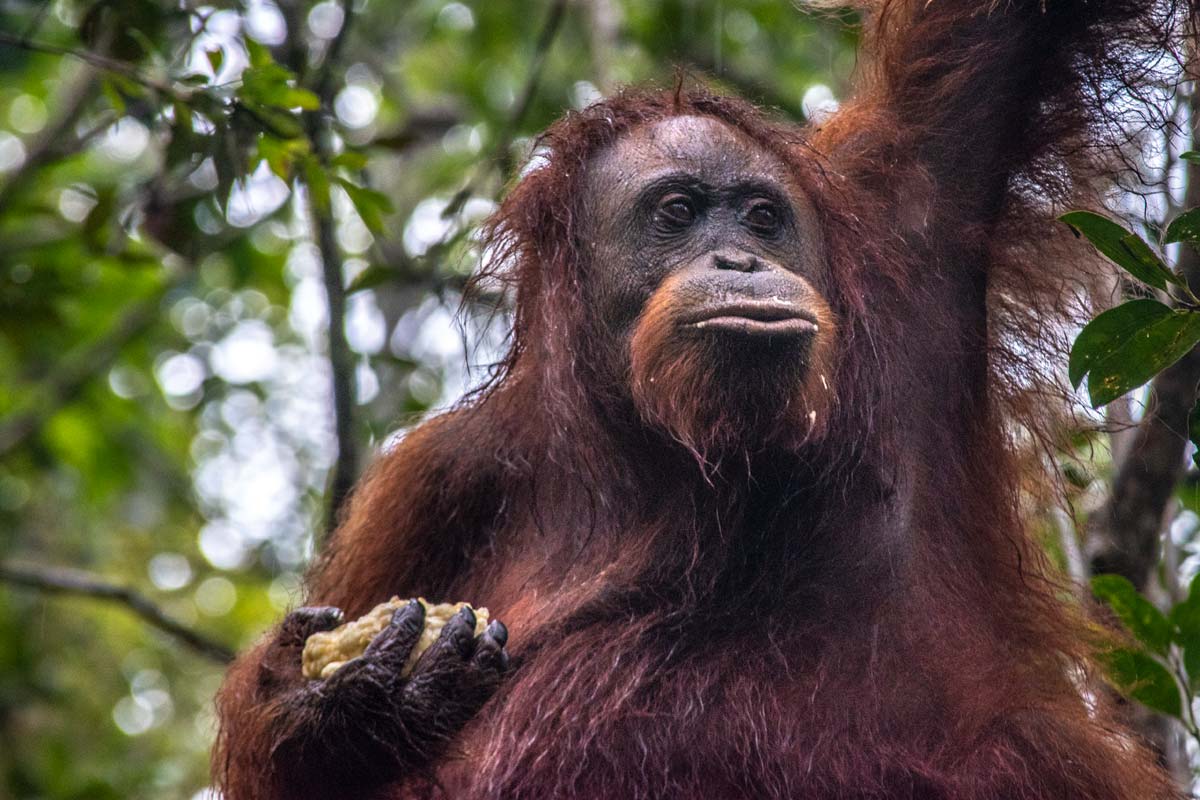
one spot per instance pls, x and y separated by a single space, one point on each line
737 262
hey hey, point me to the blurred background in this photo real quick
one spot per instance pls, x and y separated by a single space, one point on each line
233 242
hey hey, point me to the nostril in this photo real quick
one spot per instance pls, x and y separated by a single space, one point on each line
746 263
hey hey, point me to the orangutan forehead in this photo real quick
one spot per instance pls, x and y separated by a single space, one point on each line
706 148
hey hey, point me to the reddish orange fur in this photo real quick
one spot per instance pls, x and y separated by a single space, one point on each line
678 384
858 613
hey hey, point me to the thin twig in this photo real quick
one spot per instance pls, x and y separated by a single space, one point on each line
47 147
537 64
35 24
63 580
502 159
102 62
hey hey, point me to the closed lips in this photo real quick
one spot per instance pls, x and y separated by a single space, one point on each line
756 317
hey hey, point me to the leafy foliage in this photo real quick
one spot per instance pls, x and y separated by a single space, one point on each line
1126 346
1161 668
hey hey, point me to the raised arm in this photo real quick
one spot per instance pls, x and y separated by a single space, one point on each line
974 125
988 99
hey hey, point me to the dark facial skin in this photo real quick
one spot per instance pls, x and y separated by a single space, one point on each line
692 200
704 262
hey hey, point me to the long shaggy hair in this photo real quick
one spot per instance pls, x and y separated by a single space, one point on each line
854 612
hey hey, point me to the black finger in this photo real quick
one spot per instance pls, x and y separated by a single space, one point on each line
304 622
447 657
498 631
393 644
460 632
453 679
490 659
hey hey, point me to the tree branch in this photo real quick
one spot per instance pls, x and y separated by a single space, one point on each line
502 158
61 580
341 360
537 64
97 60
604 35
47 146
35 24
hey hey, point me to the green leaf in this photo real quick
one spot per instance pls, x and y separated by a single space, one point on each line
1191 662
149 46
216 57
183 114
184 140
225 159
259 55
1150 265
1147 353
1126 346
1184 228
1139 676
1139 615
1127 250
1185 619
350 159
252 118
274 85
1191 155
281 154
302 98
1105 335
1188 495
374 275
1077 476
114 96
370 204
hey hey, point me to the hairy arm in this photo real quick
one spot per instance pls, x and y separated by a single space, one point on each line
413 520
995 100
975 123
408 529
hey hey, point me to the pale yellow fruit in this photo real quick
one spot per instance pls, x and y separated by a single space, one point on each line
325 652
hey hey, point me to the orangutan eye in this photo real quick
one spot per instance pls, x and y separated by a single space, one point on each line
676 211
763 218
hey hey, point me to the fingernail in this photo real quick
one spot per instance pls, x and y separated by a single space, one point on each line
410 611
468 616
498 631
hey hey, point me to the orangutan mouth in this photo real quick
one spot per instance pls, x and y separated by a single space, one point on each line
756 318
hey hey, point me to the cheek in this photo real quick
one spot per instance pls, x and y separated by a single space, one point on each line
656 337
618 289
